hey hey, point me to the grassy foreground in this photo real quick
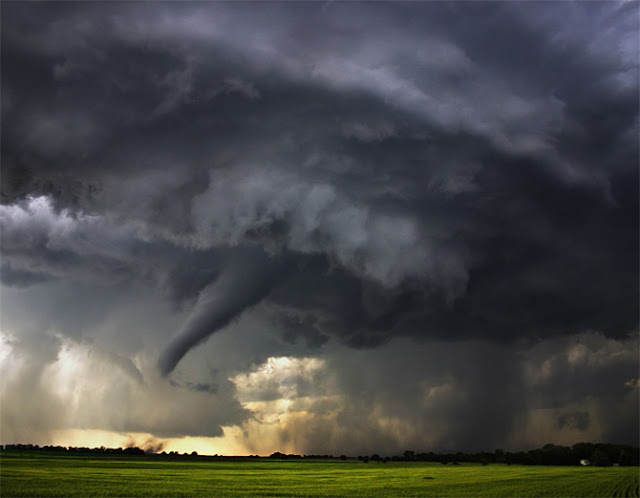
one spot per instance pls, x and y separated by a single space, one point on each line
45 475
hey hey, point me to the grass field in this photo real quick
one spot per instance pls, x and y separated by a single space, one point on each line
45 475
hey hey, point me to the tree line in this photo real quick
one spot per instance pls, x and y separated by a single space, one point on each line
598 454
133 450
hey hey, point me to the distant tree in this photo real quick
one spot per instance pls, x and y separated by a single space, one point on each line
600 458
624 459
132 450
343 457
408 455
583 451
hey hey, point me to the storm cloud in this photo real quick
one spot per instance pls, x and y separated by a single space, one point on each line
343 182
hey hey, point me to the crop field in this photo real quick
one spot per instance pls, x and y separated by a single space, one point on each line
46 475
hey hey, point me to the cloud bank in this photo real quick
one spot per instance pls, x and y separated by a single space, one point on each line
347 183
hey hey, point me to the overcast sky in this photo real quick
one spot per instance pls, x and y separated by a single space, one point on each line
317 227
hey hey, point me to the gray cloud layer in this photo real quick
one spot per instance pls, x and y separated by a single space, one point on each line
362 172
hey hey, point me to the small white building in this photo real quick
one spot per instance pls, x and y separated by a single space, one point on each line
585 462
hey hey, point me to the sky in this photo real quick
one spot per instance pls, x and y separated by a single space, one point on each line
319 227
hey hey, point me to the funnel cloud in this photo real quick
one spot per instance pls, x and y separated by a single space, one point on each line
242 283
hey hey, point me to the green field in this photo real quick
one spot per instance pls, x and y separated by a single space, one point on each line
46 475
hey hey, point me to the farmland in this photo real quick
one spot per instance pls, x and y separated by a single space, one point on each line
62 475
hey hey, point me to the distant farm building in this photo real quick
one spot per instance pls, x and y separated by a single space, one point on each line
585 462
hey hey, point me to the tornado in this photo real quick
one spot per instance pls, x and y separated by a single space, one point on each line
243 282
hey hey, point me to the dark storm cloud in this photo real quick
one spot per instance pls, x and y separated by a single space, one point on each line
196 386
462 171
435 395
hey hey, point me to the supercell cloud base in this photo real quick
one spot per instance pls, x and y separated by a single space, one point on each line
319 227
